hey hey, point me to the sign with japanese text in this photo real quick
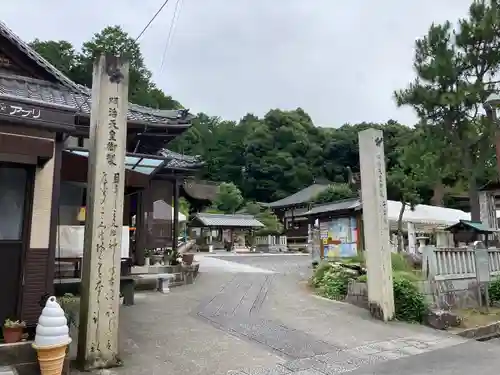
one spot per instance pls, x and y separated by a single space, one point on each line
103 237
18 110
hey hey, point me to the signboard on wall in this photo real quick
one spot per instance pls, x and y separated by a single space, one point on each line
339 237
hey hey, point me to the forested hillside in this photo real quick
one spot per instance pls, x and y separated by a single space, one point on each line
275 155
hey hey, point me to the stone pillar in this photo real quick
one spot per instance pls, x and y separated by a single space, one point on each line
210 243
442 239
412 239
487 210
100 299
376 223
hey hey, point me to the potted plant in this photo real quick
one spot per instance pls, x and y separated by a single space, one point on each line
157 256
13 331
147 255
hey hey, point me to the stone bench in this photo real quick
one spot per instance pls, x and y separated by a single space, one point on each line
163 280
127 284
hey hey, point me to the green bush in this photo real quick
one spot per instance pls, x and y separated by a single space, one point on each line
334 282
319 272
362 278
330 280
409 302
399 263
494 290
358 259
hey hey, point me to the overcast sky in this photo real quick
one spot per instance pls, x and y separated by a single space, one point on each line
338 60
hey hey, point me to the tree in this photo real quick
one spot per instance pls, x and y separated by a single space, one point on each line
276 155
407 182
455 74
434 159
335 192
114 40
184 206
229 198
59 53
272 225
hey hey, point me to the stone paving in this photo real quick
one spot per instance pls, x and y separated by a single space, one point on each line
253 315
341 361
237 309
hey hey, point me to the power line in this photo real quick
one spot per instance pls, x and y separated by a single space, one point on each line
151 20
175 17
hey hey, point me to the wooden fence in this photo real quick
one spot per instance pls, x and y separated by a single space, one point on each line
271 240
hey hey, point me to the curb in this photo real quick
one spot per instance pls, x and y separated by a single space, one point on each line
482 333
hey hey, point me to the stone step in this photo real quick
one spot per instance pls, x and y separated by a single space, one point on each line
8 370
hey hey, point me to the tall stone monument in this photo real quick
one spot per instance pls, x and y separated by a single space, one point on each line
376 223
98 328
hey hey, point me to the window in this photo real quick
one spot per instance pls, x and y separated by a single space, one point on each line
12 200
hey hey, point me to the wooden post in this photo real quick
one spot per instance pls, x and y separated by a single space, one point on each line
175 233
376 224
100 299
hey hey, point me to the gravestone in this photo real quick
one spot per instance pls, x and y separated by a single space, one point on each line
376 224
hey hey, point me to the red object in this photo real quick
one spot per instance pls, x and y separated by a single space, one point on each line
12 335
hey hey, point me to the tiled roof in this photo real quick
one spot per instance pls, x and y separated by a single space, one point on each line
348 204
302 196
180 161
68 93
201 189
221 220
467 224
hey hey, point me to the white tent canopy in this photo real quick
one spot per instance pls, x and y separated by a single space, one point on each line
164 211
425 214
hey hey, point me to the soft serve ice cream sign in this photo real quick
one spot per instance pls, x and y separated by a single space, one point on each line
52 338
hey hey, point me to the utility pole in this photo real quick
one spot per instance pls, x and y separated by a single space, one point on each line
100 299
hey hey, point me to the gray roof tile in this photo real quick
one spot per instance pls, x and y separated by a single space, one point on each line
179 160
348 204
69 93
303 196
222 220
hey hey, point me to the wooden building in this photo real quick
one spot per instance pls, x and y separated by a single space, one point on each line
44 131
290 210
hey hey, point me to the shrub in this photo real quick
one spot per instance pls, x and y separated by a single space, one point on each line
399 263
331 280
362 278
358 259
409 302
333 285
320 271
494 290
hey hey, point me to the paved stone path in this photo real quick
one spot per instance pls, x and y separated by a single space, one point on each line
253 315
236 308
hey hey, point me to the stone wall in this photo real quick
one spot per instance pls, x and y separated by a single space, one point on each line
447 294
265 248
